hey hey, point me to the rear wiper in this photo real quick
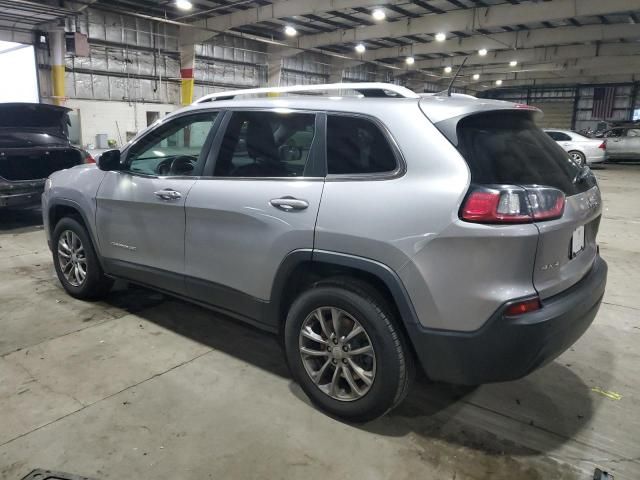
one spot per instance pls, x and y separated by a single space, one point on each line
582 174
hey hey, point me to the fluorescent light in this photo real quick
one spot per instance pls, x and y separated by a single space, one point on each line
184 4
441 37
378 14
360 48
498 82
513 63
290 31
476 76
482 52
447 69
410 60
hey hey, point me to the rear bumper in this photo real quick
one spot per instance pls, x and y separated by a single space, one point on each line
508 348
21 195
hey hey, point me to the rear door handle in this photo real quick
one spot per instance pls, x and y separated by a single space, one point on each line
289 203
168 194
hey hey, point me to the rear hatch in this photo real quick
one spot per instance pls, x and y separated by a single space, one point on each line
34 141
504 149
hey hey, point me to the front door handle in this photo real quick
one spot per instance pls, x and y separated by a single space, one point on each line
168 194
289 203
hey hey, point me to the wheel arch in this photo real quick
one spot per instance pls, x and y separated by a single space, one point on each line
302 268
62 207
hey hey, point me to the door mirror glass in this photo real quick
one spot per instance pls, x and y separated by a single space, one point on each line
109 160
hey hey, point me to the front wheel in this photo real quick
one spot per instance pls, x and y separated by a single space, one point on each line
346 352
76 262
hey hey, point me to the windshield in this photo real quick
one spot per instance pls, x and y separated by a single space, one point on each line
32 116
505 147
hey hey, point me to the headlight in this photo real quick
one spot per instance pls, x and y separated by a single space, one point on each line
47 184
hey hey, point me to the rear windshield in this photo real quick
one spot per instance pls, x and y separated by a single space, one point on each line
507 148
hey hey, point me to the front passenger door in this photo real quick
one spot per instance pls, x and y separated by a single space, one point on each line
140 210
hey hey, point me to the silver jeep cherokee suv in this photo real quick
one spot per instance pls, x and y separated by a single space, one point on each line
371 232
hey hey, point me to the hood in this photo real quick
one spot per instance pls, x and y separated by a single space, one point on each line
33 124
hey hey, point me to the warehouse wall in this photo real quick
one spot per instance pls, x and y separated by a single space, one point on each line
571 107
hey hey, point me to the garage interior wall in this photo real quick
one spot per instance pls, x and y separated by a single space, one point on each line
571 107
133 67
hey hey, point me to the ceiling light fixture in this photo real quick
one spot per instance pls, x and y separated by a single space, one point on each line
441 37
360 48
447 69
410 60
476 76
482 52
290 31
378 14
184 4
498 82
513 63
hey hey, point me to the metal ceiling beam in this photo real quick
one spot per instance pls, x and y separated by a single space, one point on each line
279 9
514 40
471 20
601 65
594 78
540 54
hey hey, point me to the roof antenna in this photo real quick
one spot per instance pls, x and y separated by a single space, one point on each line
450 87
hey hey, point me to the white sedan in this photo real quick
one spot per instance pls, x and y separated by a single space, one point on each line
583 150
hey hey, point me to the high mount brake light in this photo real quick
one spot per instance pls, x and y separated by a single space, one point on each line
512 204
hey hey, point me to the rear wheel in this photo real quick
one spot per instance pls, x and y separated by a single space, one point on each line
578 157
76 262
346 353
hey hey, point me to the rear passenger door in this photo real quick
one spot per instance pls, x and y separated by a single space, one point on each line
256 202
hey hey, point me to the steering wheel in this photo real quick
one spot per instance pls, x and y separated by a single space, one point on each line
180 165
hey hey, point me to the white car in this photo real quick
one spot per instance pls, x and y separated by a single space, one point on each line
583 150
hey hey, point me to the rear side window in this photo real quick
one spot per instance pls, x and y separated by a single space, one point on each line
507 148
355 146
559 136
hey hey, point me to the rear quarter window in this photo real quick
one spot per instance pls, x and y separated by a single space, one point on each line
504 147
356 146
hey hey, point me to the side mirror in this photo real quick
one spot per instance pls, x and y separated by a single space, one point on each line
109 160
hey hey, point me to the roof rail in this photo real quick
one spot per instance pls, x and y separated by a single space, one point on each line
367 89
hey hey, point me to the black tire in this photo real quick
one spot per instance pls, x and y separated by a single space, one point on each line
579 157
95 284
394 361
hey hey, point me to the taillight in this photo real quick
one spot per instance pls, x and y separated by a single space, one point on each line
512 204
603 146
89 158
522 307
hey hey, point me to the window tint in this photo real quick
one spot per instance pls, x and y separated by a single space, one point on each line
559 136
174 148
266 144
507 148
356 145
615 133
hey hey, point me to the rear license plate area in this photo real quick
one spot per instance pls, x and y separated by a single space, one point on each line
577 241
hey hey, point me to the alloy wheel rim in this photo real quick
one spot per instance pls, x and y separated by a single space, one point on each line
72 258
577 157
337 354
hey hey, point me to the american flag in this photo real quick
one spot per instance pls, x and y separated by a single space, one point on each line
603 98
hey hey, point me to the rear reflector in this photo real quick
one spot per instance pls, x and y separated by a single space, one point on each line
525 306
512 204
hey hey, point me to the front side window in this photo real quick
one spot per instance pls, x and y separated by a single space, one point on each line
174 148
355 146
266 144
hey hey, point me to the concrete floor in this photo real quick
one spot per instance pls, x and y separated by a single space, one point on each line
144 386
